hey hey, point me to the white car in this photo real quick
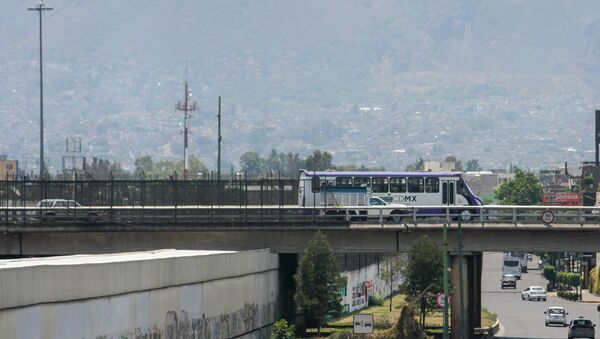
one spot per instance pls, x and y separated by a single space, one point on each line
64 210
556 315
534 293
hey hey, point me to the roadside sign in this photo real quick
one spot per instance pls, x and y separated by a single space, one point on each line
363 323
439 300
548 217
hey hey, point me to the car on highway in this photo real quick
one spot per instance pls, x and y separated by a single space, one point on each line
508 280
556 315
64 210
581 328
534 293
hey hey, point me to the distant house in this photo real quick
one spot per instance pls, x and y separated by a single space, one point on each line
485 182
440 166
8 168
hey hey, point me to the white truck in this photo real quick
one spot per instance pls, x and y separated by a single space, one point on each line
355 203
512 265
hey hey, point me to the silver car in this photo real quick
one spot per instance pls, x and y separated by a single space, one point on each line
64 210
534 293
556 315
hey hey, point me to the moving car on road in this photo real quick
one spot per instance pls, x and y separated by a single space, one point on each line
534 293
581 328
556 315
64 210
508 280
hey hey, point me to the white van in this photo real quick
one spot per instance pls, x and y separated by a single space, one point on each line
512 265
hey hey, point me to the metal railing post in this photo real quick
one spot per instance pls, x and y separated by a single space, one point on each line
481 215
514 216
414 216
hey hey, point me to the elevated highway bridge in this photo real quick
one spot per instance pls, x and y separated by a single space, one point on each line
31 231
286 229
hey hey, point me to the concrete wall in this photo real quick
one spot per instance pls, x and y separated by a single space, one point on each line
363 280
234 294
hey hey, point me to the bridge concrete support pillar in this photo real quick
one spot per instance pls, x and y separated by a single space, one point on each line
471 282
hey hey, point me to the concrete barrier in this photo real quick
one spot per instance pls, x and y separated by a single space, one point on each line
166 294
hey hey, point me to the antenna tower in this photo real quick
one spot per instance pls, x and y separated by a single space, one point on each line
187 108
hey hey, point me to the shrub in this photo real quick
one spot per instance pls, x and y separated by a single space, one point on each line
566 278
376 300
383 322
569 295
550 273
283 330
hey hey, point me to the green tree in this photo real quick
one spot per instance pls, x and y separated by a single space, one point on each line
283 330
104 169
251 163
524 189
319 161
550 274
291 163
144 165
418 165
196 166
318 281
391 266
423 275
472 166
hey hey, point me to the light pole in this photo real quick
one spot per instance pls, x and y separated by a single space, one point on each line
446 334
40 8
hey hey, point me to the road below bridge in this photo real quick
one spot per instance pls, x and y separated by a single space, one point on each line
525 319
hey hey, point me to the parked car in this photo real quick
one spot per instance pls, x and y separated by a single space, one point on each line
534 293
64 210
556 315
581 328
508 280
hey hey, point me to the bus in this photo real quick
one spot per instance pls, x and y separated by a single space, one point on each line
405 188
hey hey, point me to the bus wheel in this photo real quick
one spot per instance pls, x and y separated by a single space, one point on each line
465 215
396 217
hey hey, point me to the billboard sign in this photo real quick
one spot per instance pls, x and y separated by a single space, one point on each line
561 199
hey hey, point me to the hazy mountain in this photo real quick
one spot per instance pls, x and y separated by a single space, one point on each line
293 73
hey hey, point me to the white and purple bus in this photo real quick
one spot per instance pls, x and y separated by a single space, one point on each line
407 188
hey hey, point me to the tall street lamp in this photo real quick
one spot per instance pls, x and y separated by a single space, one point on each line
40 8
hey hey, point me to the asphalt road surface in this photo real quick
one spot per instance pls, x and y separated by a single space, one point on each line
525 319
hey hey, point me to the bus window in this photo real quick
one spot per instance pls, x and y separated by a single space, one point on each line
415 185
380 185
462 189
432 185
398 185
343 182
361 182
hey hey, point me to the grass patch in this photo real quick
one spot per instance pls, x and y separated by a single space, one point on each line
384 319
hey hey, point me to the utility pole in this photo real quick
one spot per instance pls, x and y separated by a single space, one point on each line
187 109
446 334
40 8
461 284
219 144
597 142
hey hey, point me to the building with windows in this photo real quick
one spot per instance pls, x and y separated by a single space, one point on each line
8 168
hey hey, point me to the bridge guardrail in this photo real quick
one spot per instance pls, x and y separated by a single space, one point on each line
198 214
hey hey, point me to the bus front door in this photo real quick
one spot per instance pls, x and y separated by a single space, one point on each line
448 193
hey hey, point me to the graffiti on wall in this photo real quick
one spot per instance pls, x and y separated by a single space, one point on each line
184 326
